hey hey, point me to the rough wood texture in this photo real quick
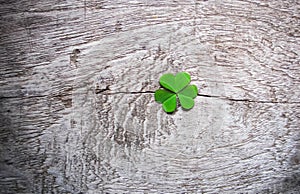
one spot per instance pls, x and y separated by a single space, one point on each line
77 107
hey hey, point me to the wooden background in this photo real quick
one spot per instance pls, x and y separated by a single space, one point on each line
77 108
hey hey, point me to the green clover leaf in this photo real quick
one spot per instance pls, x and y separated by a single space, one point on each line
176 87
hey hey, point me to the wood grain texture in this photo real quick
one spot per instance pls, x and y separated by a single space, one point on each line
78 113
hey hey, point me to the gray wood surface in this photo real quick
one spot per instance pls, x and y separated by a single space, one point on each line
78 113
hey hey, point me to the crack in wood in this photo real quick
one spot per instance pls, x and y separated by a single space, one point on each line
104 92
247 100
209 96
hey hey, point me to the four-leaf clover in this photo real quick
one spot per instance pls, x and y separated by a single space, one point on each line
176 87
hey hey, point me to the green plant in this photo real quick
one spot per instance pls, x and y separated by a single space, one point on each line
176 87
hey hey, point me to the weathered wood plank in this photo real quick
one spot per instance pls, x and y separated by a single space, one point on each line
76 97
